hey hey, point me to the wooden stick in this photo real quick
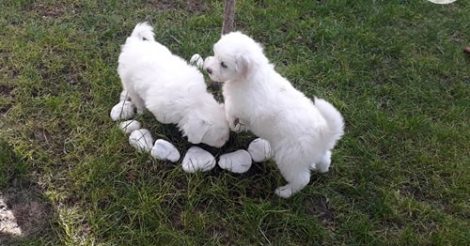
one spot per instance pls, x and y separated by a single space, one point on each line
229 16
228 26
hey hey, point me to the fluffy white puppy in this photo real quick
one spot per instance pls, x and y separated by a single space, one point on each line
301 133
170 88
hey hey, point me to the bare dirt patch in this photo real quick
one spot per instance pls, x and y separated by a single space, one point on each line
22 214
320 207
192 6
6 90
53 9
4 109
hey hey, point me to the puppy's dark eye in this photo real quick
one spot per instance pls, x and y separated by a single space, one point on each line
222 64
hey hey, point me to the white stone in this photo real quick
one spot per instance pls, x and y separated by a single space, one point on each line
197 159
260 150
196 60
164 150
238 161
124 110
141 140
129 126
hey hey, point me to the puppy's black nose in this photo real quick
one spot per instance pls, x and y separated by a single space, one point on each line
209 71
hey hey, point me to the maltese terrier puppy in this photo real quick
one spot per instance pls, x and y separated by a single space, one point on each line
171 89
301 132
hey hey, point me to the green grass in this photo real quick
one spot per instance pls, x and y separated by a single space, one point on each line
395 69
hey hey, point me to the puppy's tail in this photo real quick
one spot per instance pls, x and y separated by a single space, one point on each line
333 118
143 31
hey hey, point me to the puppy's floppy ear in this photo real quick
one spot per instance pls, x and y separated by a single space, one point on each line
244 65
195 130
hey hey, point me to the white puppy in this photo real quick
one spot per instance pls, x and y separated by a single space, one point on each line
172 90
302 133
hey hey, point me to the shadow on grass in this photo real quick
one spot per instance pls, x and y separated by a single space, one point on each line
26 215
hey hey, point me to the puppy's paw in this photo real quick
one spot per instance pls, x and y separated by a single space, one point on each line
237 162
231 123
237 126
129 126
260 150
164 150
196 60
122 111
141 140
197 159
284 191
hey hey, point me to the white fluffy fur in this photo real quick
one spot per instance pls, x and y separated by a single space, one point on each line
172 90
301 133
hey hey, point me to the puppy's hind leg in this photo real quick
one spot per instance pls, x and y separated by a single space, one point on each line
323 165
297 178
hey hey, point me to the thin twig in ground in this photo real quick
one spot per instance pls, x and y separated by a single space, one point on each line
227 26
229 17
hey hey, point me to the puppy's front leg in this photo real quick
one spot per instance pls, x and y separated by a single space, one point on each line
136 100
233 119
230 118
139 104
